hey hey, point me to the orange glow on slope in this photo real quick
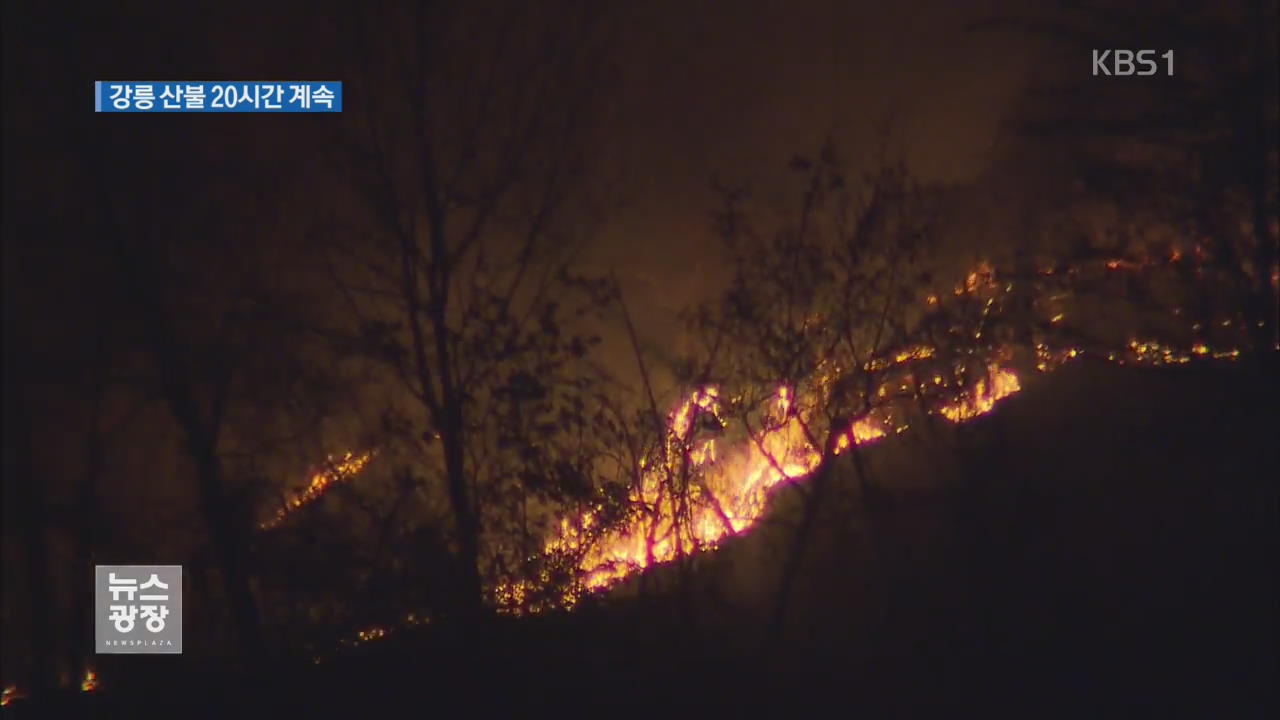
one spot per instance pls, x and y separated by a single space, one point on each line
9 694
1151 352
733 495
986 393
728 487
335 471
735 483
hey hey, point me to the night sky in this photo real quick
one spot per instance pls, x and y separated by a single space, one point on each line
702 89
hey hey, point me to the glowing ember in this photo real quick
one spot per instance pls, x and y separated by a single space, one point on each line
1000 384
1152 352
9 694
1047 359
336 470
920 352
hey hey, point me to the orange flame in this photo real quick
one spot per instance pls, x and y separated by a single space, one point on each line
337 470
9 694
735 485
985 395
729 487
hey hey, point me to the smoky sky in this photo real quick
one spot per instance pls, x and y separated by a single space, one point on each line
703 88
731 89
737 89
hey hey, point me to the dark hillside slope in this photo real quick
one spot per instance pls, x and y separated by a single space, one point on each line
1109 534
1105 543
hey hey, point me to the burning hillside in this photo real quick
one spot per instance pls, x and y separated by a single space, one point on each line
736 484
335 469
702 487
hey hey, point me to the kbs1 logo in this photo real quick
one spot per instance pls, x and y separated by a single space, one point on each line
1121 62
138 609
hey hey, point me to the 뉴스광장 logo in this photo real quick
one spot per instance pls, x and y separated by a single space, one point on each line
138 609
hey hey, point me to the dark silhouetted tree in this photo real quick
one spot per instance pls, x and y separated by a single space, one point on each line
467 155
819 298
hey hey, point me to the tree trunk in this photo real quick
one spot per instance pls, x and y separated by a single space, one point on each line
231 550
201 438
471 592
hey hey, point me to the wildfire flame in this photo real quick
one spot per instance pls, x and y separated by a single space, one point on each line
732 485
9 694
736 483
335 471
985 395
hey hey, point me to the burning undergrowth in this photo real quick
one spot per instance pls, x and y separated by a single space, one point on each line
711 475
830 339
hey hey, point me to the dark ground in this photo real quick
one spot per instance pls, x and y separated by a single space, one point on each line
1106 546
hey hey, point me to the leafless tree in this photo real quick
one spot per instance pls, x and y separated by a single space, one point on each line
466 150
821 302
